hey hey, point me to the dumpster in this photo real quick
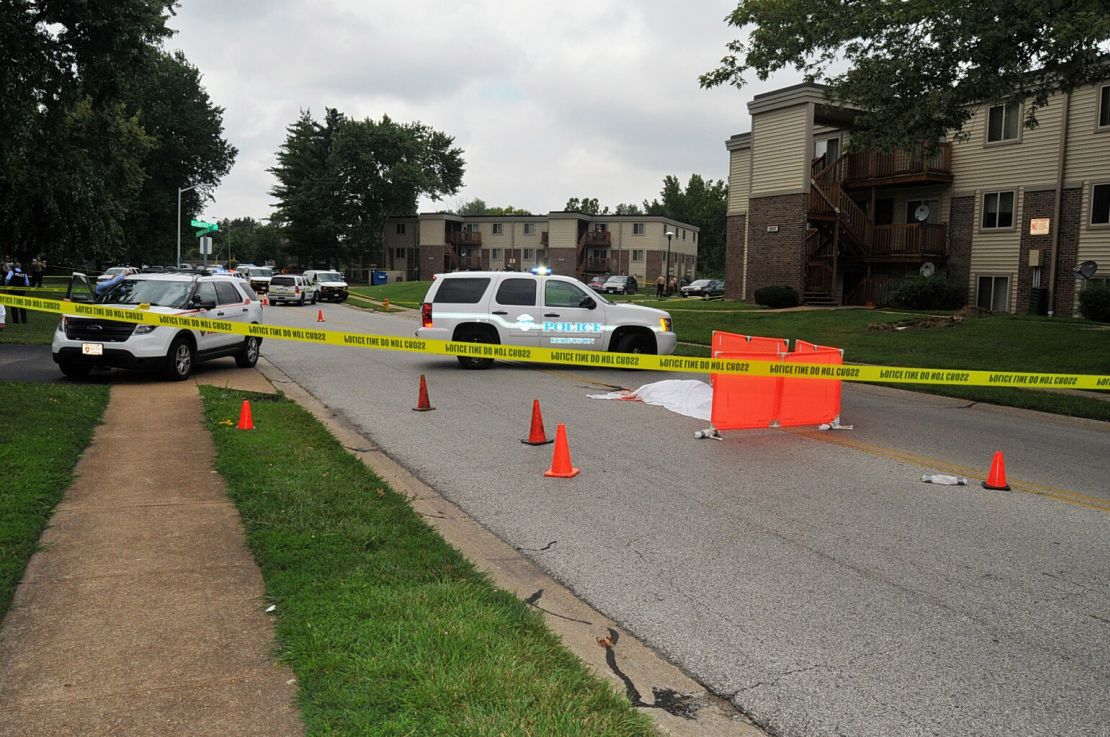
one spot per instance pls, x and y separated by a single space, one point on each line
378 277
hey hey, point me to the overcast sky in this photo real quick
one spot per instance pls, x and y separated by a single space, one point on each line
547 100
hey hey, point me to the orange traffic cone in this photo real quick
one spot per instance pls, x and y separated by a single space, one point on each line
537 436
560 462
245 421
422 402
265 301
996 479
319 316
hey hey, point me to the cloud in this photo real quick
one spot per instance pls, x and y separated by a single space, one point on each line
547 100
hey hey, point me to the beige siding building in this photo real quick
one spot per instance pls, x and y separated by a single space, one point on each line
569 243
1007 211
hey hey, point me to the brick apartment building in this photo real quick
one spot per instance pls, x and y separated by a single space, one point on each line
569 243
1009 212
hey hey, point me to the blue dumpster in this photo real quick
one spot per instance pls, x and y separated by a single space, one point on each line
378 277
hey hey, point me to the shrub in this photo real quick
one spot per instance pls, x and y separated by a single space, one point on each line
929 293
1094 302
777 297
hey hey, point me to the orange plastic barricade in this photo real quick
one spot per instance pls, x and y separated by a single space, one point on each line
745 402
810 401
736 343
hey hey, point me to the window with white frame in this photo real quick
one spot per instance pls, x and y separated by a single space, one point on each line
637 254
497 228
529 254
637 228
400 228
1100 204
495 254
1104 106
1003 122
998 210
993 293
529 228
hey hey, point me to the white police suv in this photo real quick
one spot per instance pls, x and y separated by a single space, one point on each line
81 343
541 310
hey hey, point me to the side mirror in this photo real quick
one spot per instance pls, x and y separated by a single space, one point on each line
588 303
196 301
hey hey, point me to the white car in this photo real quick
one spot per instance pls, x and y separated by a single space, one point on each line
291 288
81 343
259 277
545 311
330 284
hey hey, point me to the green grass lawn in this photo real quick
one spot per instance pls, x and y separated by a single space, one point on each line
404 293
38 330
389 630
46 428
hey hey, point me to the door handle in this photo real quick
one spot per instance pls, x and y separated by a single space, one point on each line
551 314
244 309
219 314
499 312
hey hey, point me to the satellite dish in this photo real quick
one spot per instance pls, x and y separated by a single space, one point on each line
921 214
1086 269
928 268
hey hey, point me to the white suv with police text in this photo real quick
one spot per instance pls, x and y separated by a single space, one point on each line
539 310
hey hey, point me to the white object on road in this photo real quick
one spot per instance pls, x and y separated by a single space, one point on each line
271 608
944 479
688 397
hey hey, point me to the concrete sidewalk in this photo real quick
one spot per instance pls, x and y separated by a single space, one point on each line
144 612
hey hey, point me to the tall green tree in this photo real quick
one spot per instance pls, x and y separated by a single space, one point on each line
338 182
919 67
704 204
586 206
478 206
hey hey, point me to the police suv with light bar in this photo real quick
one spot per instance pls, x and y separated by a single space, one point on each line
540 310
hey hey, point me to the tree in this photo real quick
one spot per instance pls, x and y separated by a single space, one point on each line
476 206
629 208
918 68
586 206
339 181
704 204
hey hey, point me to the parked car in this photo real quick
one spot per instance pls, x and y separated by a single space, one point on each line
291 288
116 271
330 284
704 288
546 311
259 277
81 343
620 285
597 282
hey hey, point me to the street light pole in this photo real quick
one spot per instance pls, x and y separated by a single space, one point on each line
177 265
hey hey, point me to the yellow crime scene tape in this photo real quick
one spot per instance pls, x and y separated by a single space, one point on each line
871 374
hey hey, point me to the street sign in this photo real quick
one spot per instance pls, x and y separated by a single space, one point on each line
206 246
203 227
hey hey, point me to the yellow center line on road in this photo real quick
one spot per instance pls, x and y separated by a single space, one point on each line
1029 487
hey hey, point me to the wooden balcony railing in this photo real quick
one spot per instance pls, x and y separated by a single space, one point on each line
915 239
543 239
469 262
599 265
898 164
598 238
465 237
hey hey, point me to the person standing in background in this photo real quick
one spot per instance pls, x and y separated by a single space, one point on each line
16 278
38 268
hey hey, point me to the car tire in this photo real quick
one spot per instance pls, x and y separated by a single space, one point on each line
247 356
469 362
75 369
180 359
632 343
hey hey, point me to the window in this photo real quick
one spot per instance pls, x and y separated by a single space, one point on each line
637 228
400 228
495 254
637 254
998 210
398 253
1003 122
497 228
934 210
1104 106
597 253
562 294
461 291
529 228
529 254
227 293
520 292
206 290
993 293
683 231
1100 203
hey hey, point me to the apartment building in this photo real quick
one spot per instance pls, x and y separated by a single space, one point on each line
1009 212
569 243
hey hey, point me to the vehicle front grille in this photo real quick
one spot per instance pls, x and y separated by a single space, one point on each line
100 331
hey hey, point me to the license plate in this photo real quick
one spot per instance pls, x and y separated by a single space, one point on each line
92 349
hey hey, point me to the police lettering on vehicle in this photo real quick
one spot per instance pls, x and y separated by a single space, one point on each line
573 327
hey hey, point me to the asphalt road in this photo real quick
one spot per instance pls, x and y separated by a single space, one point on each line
811 578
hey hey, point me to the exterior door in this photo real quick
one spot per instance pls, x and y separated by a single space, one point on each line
569 321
